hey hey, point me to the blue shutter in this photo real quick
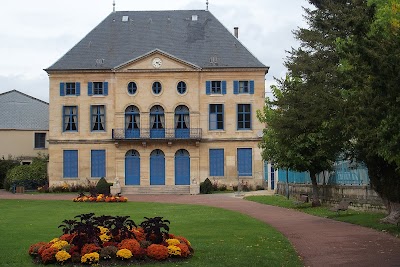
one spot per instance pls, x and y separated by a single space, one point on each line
244 162
90 88
252 87
216 162
62 89
105 88
236 87
98 163
208 87
78 88
223 83
70 163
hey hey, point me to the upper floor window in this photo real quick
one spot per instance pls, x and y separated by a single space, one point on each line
215 87
181 87
98 88
70 88
243 87
70 118
216 117
98 115
156 88
40 140
132 88
243 116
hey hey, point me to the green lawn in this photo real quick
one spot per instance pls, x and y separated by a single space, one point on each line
219 237
367 219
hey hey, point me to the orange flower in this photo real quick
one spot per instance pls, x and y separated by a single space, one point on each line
158 252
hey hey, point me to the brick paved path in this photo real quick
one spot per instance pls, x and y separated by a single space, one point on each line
319 241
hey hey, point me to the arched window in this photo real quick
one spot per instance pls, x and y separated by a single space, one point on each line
132 122
157 122
182 122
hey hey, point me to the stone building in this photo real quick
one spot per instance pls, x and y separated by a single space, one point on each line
24 126
160 99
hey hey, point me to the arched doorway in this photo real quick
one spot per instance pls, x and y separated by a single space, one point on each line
182 167
132 168
157 167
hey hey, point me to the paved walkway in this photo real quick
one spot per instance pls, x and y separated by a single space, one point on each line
319 241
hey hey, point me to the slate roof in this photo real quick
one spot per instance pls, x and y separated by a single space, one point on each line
23 112
115 42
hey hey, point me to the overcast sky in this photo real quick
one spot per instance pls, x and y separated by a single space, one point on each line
36 33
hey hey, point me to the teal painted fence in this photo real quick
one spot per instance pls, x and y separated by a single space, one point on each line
344 173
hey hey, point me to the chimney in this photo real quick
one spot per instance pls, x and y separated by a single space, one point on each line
236 31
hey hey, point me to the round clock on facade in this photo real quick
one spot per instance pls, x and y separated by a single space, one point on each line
156 62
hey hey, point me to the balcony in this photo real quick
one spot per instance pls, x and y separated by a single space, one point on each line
144 134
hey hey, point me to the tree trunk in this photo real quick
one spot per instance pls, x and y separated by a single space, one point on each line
393 209
315 193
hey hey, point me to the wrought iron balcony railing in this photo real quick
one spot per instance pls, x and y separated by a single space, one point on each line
147 133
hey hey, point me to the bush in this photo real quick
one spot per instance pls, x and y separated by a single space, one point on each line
103 187
260 187
5 166
222 187
30 176
206 187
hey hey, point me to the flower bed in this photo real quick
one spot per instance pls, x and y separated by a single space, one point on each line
102 240
99 198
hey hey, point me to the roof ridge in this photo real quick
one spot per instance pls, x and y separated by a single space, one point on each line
16 91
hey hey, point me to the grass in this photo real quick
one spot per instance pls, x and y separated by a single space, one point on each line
367 219
219 237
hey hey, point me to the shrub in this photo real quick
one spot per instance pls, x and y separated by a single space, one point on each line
206 187
30 176
259 187
5 166
103 187
222 187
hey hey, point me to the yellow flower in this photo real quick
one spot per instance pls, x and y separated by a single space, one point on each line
105 237
174 251
59 244
103 230
173 242
62 256
54 240
124 253
90 258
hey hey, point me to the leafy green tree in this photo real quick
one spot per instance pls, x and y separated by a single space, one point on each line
304 120
370 61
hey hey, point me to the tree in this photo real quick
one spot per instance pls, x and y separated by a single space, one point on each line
304 120
370 62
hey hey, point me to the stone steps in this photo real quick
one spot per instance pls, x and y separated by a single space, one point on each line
156 190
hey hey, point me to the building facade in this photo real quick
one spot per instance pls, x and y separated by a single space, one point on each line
160 99
24 126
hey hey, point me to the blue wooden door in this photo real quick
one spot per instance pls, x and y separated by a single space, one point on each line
132 168
157 167
182 167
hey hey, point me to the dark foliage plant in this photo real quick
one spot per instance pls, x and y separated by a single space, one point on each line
206 187
103 187
156 229
120 226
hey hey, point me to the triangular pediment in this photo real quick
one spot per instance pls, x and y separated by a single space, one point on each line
156 60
